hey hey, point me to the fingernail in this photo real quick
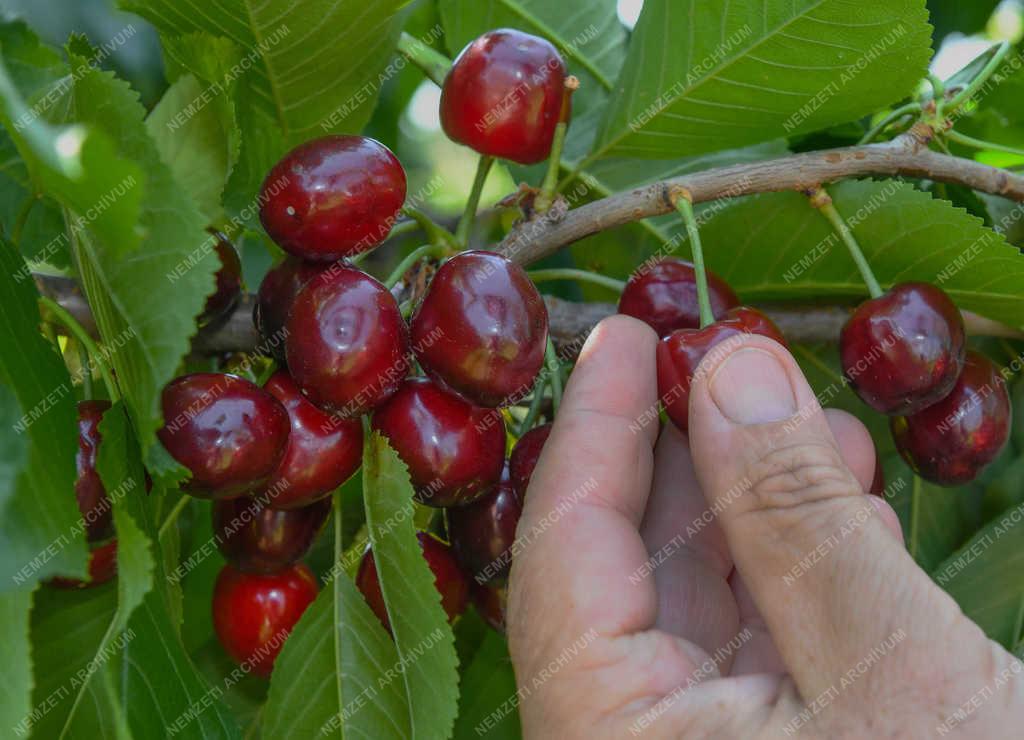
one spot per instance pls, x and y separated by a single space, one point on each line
752 387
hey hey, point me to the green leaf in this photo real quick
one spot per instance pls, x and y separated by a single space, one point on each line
337 674
490 685
948 16
424 640
40 531
986 577
705 75
776 246
197 147
16 677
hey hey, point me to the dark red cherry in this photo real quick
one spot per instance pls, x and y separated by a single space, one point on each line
347 343
229 433
904 350
332 197
482 328
503 96
449 581
257 539
323 451
455 451
102 568
524 457
483 532
878 481
89 491
491 602
950 442
254 614
228 292
274 300
664 296
680 353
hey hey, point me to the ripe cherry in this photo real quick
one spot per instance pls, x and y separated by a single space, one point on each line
524 457
228 292
449 581
102 567
483 532
228 432
455 451
347 343
904 350
323 451
274 300
257 539
89 491
951 441
491 603
332 197
482 328
503 96
664 296
680 353
253 614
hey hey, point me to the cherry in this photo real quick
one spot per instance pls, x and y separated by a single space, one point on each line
524 457
503 96
455 451
228 292
664 296
491 604
323 451
332 197
449 581
89 491
102 568
253 614
680 353
482 533
257 539
878 481
228 432
904 350
347 343
950 442
274 300
482 328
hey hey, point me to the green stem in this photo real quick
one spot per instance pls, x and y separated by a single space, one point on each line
434 64
436 233
888 121
78 332
555 376
466 222
172 515
970 141
19 223
684 205
402 228
427 250
549 188
540 276
534 409
823 202
968 92
83 360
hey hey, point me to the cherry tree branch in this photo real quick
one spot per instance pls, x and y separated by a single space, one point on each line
907 155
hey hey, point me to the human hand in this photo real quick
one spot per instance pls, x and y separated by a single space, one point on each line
782 601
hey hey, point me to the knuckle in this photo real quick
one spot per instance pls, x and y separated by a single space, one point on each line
798 474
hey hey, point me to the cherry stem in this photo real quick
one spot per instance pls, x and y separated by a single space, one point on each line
78 332
682 200
83 360
540 276
968 92
434 64
534 410
436 233
466 222
970 141
821 200
427 250
888 121
549 188
172 516
553 366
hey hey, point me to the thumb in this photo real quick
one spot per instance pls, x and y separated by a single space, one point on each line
833 585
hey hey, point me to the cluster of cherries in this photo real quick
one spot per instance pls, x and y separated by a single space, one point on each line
903 353
269 457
